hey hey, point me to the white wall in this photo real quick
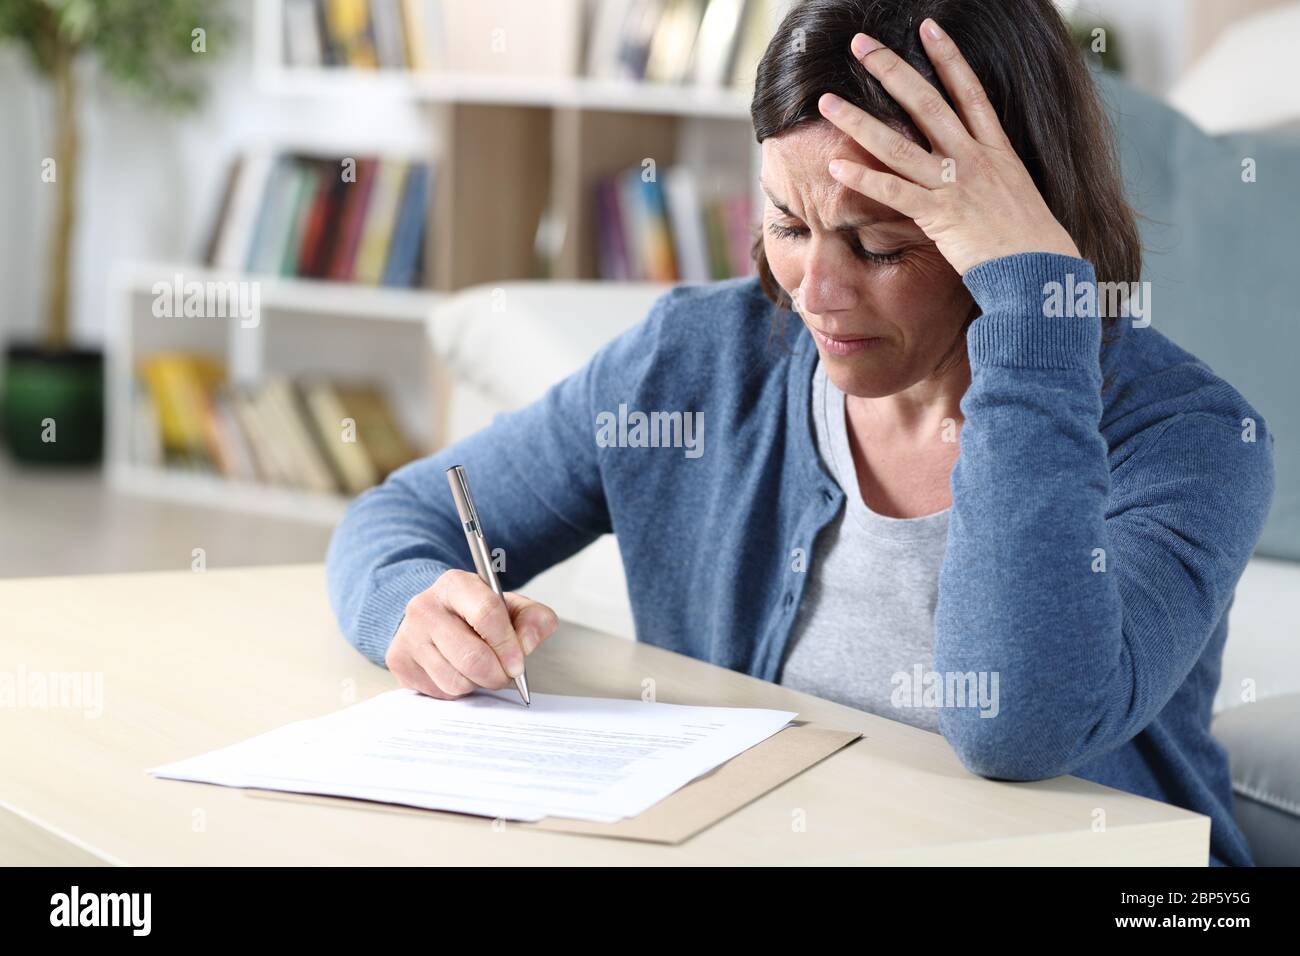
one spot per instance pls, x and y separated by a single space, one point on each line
1152 35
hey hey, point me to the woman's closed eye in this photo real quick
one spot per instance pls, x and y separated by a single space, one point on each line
856 244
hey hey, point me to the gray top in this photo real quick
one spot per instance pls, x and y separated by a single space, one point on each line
864 633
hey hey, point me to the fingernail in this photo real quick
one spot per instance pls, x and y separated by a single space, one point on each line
514 661
932 29
863 44
836 167
530 639
514 665
829 103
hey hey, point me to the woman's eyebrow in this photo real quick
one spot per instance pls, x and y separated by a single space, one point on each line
776 202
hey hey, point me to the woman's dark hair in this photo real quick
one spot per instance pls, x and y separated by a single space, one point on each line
1034 76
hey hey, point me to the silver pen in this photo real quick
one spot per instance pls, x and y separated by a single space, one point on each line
478 547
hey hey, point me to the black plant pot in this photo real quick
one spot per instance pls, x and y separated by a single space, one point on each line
52 405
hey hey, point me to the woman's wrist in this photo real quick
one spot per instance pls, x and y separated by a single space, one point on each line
1061 245
1038 311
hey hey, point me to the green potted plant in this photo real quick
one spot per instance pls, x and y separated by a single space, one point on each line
52 400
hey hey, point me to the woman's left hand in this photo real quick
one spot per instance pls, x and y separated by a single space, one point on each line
972 195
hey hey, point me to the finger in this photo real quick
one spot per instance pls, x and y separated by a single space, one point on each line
448 680
886 188
534 622
467 651
925 104
410 674
888 145
963 85
480 607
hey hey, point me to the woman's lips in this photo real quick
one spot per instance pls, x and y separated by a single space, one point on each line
845 344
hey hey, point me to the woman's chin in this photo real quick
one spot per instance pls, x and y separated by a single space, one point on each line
865 374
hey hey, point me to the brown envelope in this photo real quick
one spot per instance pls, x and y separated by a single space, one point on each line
680 815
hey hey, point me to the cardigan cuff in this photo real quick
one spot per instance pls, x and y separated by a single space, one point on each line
385 606
1039 310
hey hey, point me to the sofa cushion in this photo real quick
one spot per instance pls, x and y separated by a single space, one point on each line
1222 256
1264 750
1260 658
1249 79
513 340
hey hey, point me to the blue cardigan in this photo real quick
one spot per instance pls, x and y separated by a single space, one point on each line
1096 536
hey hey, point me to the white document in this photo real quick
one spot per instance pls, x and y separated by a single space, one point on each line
587 758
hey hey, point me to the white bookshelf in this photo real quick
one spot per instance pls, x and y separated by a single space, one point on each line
579 93
304 326
548 73
512 150
211 491
525 132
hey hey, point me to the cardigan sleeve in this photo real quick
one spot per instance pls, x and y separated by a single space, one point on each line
537 484
1090 610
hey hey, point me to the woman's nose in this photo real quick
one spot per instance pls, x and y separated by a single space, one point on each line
824 287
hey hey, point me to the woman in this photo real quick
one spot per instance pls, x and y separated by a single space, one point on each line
961 492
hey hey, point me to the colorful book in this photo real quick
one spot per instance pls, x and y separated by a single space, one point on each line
352 463
715 47
377 427
312 229
240 222
611 248
403 267
273 219
422 30
178 383
386 28
304 192
348 25
352 219
381 218
690 243
669 57
659 262
278 405
303 42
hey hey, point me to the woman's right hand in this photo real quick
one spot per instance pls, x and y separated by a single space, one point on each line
457 637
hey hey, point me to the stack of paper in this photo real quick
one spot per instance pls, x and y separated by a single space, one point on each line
581 757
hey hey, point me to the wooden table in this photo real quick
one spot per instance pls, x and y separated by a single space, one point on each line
191 661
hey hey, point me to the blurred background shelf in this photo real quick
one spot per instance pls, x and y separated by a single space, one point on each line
614 96
312 329
527 108
215 491
519 142
317 296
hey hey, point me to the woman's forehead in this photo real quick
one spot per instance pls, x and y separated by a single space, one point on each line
795 175
815 144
